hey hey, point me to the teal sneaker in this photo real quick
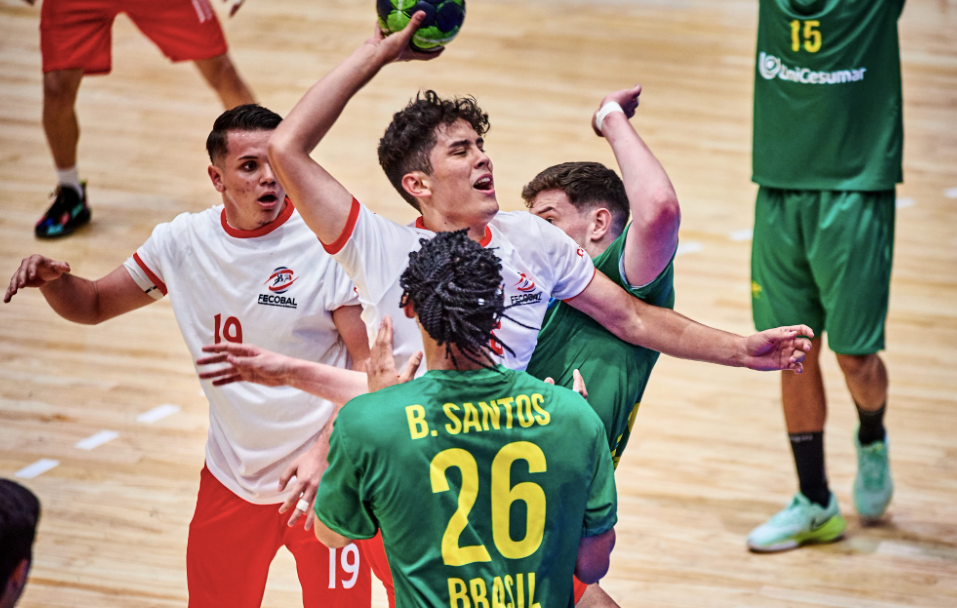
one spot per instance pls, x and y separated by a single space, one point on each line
873 486
799 523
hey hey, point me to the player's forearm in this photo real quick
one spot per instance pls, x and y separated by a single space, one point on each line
327 381
311 118
74 298
674 334
651 195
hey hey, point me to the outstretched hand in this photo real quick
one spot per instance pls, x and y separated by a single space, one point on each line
781 348
626 98
397 47
35 271
247 362
307 471
381 367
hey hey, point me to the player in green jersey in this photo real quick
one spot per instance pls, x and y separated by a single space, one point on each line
828 138
468 471
591 204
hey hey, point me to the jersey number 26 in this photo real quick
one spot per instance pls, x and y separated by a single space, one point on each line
503 495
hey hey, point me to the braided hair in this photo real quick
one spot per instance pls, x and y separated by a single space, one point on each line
455 288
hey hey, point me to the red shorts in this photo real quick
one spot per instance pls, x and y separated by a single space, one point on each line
374 551
579 589
232 542
76 33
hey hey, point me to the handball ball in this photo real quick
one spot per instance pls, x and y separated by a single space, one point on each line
443 18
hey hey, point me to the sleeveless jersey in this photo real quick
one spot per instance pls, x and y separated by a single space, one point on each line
615 372
827 95
274 287
482 482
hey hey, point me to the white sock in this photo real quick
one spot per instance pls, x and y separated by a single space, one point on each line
69 177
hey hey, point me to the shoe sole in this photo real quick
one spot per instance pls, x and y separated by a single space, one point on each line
832 531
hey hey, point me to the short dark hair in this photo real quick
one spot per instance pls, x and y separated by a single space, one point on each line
455 288
19 513
247 117
587 185
410 137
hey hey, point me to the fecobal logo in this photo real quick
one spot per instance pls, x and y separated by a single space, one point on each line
528 295
279 283
770 67
281 280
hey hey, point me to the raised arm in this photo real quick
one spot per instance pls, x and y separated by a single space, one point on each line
653 235
664 330
321 200
74 298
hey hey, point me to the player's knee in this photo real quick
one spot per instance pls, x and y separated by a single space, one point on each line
60 87
857 366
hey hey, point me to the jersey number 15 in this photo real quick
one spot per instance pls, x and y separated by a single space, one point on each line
812 36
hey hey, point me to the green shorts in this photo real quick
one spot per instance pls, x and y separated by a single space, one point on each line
823 259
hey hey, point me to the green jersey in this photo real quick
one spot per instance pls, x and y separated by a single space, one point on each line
482 482
827 95
615 372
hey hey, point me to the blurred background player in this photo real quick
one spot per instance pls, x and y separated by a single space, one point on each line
75 37
591 204
457 449
248 269
828 140
19 514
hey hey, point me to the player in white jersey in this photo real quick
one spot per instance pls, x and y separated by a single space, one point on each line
246 270
433 153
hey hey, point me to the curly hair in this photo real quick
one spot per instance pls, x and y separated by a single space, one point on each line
247 117
19 513
410 137
587 185
455 288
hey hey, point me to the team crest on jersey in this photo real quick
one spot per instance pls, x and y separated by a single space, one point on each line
278 284
529 294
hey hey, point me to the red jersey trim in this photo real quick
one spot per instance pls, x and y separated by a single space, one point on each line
262 230
337 245
156 280
485 239
594 272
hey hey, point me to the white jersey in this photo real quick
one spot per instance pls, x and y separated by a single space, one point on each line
273 287
539 262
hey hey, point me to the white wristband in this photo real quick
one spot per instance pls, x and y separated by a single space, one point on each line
608 108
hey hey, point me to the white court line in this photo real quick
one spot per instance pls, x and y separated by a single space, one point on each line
742 235
898 549
690 247
37 468
950 192
95 441
158 413
905 202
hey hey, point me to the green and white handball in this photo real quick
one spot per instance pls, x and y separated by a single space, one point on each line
443 19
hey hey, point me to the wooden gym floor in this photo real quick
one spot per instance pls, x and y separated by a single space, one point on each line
710 458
